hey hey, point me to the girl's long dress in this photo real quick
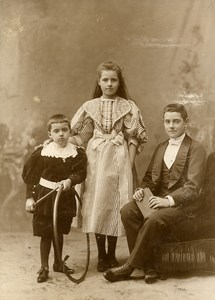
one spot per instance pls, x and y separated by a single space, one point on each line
108 127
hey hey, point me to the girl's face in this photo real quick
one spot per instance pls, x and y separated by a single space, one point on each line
109 83
60 133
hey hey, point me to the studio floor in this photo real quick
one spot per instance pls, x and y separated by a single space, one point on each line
19 254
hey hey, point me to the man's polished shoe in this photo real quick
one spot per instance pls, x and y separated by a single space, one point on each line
119 273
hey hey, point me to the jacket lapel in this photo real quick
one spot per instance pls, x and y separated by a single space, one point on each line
180 161
158 161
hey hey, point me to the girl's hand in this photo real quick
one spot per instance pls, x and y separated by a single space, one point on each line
29 205
73 140
45 143
66 184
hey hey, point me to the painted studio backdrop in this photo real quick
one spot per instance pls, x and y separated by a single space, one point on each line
49 52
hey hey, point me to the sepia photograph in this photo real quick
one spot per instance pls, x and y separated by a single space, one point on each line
107 149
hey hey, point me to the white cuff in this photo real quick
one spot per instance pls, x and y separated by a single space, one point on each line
137 189
171 200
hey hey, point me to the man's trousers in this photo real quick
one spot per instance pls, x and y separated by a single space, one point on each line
143 235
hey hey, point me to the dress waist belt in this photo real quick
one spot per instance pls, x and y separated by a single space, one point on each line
116 138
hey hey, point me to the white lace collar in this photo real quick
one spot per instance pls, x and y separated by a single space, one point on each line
51 150
92 107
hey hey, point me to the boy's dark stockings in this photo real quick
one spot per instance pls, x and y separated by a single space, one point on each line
60 244
45 247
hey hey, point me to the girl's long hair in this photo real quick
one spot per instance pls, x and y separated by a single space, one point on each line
111 66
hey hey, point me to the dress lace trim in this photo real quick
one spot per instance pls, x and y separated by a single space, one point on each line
92 107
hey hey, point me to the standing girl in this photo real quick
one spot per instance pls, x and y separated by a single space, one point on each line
112 128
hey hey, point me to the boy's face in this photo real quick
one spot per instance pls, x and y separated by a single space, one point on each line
174 124
60 133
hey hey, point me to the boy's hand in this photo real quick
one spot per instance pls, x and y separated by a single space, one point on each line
138 195
66 184
29 205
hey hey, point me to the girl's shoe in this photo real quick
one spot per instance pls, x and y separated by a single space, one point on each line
102 265
113 262
59 268
43 274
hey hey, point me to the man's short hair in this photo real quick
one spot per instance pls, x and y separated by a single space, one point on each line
176 107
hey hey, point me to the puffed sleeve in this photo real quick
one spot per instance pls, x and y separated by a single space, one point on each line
32 168
135 131
82 127
32 171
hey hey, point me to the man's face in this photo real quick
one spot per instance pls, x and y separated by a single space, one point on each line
174 124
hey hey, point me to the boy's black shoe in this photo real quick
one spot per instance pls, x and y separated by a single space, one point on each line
43 274
119 273
59 268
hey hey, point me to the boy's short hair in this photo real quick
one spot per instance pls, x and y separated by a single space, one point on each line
58 118
176 107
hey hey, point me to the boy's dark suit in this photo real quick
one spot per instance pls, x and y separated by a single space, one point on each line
183 182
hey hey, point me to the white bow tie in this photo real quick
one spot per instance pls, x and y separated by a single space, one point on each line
174 142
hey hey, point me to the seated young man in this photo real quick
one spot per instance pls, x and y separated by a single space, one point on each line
174 176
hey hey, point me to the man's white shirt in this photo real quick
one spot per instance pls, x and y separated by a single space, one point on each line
172 150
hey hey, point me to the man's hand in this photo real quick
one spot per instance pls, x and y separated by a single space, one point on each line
138 195
29 205
157 202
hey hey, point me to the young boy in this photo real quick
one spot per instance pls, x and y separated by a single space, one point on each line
58 163
175 176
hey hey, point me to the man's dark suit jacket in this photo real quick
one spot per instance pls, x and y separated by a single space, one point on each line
186 177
